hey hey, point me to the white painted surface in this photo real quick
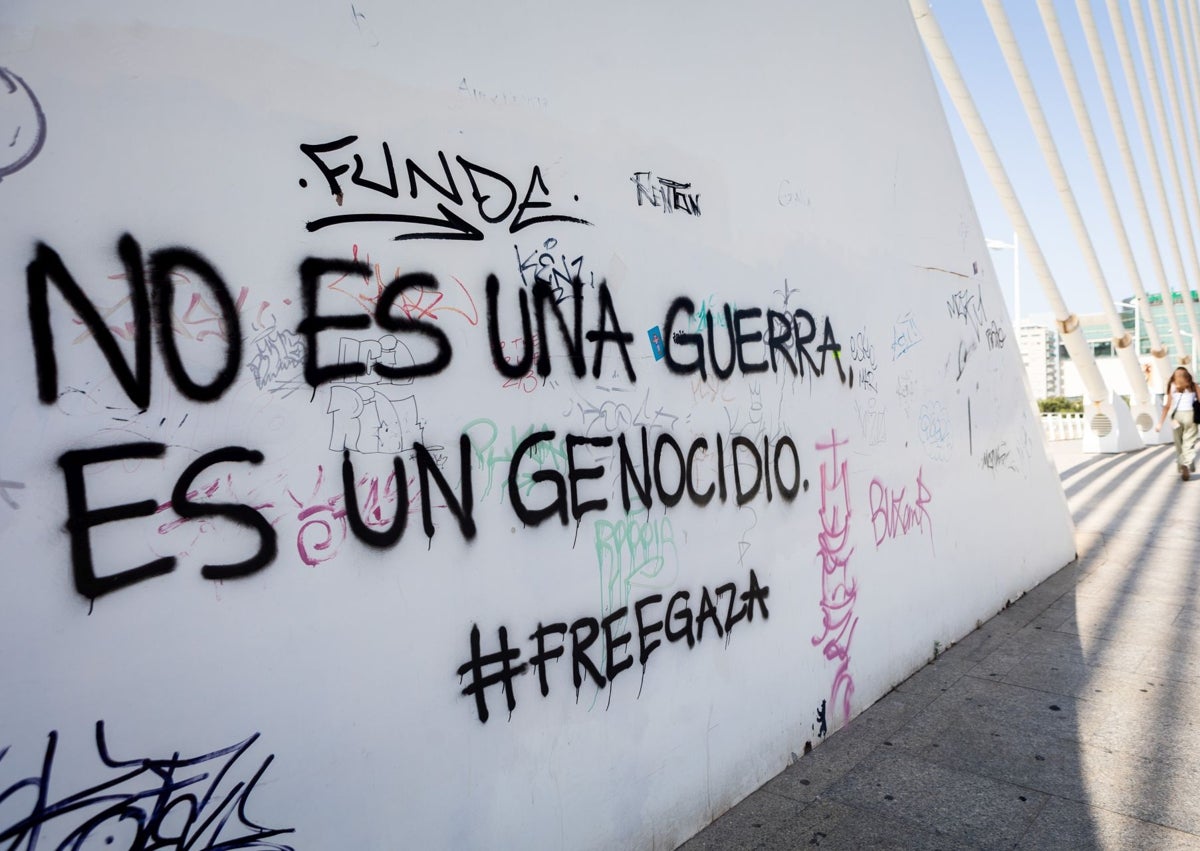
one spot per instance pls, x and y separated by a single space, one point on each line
826 180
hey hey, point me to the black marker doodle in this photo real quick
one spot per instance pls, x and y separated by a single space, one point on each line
5 487
470 91
359 18
178 802
787 292
556 270
277 355
370 413
22 124
669 195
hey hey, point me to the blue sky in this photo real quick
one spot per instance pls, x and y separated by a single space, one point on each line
967 29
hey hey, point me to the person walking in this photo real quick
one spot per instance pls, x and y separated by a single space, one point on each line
1181 397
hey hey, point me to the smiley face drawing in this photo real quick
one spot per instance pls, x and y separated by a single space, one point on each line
22 124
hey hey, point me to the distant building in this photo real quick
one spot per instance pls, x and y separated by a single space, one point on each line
1039 349
1099 336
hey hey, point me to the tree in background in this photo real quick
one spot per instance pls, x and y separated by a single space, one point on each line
1060 405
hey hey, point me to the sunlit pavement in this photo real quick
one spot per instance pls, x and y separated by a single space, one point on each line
1069 720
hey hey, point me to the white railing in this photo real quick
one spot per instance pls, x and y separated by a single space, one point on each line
1063 426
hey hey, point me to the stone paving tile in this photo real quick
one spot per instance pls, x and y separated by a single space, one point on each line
1039 644
858 830
1191 613
1151 589
1068 824
966 808
982 730
1161 728
1099 478
1142 568
755 823
999 663
1105 654
1138 591
1145 631
1144 789
984 642
1067 720
1182 666
1031 760
994 704
816 824
810 775
1054 676
1054 616
1009 747
938 676
1150 698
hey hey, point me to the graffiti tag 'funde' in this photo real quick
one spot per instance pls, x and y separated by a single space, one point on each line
440 206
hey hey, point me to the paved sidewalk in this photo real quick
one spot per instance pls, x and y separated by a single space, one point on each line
1070 720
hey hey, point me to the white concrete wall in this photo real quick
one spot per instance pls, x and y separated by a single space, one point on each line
908 494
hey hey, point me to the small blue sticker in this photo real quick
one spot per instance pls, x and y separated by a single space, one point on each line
656 343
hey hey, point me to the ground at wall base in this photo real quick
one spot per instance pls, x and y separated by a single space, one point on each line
1065 721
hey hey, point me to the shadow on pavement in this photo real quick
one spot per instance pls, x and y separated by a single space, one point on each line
1065 721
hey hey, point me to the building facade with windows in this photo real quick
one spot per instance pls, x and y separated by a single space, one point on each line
1099 337
1040 352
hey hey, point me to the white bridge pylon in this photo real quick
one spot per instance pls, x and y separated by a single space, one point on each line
1109 423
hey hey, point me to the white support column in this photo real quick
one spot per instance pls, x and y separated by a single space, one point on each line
1113 428
1193 31
1157 349
1156 96
1144 416
1141 114
1058 173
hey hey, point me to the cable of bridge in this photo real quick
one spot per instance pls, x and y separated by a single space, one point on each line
1068 323
1011 51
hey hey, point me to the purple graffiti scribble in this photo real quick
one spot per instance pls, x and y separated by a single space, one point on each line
894 516
838 589
323 524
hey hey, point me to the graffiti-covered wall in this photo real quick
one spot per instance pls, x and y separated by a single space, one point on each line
480 425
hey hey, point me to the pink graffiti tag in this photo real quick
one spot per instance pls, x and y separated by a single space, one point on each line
894 516
199 320
323 524
428 304
195 527
838 589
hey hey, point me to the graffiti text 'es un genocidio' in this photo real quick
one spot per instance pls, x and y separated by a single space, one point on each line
675 471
